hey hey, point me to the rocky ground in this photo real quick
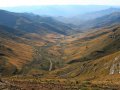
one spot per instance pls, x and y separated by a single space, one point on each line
38 84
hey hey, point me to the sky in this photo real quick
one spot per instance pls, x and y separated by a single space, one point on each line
14 3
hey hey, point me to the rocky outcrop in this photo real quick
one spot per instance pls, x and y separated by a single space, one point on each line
115 67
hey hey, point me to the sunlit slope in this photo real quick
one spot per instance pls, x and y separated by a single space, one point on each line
93 56
93 69
13 52
19 51
95 44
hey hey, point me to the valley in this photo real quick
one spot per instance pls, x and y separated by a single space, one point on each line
42 53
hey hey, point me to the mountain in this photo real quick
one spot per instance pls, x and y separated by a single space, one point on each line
58 10
20 51
33 23
92 56
13 51
104 21
37 51
97 14
82 18
21 34
46 42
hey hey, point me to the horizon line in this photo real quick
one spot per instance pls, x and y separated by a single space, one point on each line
59 5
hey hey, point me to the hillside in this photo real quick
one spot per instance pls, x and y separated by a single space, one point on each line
49 49
19 51
33 23
92 56
107 20
84 18
13 54
40 51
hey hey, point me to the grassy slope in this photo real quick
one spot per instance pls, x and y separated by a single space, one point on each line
97 42
99 55
13 54
84 55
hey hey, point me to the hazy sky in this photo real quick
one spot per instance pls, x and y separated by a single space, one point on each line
12 3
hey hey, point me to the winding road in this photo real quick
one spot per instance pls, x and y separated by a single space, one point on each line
51 65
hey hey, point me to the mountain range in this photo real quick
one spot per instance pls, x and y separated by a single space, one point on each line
45 47
83 18
58 10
